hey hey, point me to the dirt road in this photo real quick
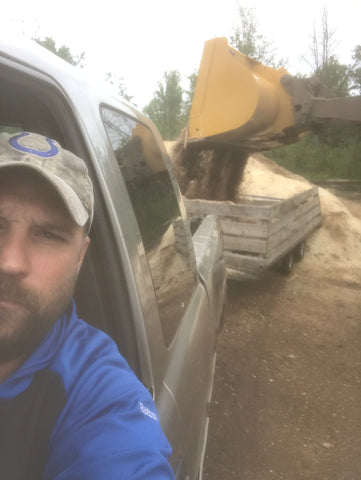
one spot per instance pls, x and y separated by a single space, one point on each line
287 396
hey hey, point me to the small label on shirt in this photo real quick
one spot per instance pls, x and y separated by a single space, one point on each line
146 411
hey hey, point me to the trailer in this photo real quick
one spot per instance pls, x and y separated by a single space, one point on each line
260 232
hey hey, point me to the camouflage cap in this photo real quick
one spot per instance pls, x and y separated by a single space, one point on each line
64 170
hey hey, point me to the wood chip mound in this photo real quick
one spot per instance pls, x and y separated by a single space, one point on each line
337 243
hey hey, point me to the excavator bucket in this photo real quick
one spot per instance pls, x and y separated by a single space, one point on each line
238 101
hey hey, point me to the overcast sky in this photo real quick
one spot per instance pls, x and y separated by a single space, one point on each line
140 40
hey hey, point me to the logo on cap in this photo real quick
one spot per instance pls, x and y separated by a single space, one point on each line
53 150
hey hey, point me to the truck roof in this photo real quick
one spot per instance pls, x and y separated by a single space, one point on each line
30 54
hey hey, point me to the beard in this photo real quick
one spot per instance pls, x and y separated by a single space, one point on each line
24 326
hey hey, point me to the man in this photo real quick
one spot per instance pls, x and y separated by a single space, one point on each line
70 408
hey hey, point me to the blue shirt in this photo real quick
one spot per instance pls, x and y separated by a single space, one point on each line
75 410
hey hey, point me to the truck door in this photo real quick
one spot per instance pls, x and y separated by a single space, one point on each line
188 329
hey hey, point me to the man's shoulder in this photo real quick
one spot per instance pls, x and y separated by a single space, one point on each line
87 356
100 387
80 334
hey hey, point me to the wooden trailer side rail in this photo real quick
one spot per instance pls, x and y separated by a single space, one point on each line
261 230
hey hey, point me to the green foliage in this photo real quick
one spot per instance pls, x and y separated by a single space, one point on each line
355 70
331 153
246 39
166 109
189 94
335 76
110 78
63 51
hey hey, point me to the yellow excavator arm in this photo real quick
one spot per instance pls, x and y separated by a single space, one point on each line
240 102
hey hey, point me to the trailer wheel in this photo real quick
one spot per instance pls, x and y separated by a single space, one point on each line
287 263
299 251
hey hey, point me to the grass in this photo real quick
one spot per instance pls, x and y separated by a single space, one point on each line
331 154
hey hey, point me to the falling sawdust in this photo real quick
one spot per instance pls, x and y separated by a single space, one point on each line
335 245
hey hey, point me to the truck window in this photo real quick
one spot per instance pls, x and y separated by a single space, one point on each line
158 215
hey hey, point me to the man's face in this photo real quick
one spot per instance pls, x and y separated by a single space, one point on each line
41 252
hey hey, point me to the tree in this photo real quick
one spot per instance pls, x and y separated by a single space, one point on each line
335 76
110 78
323 44
324 63
63 51
166 108
355 70
246 39
332 151
190 93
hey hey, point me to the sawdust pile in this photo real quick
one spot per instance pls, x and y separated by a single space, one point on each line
336 245
264 177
